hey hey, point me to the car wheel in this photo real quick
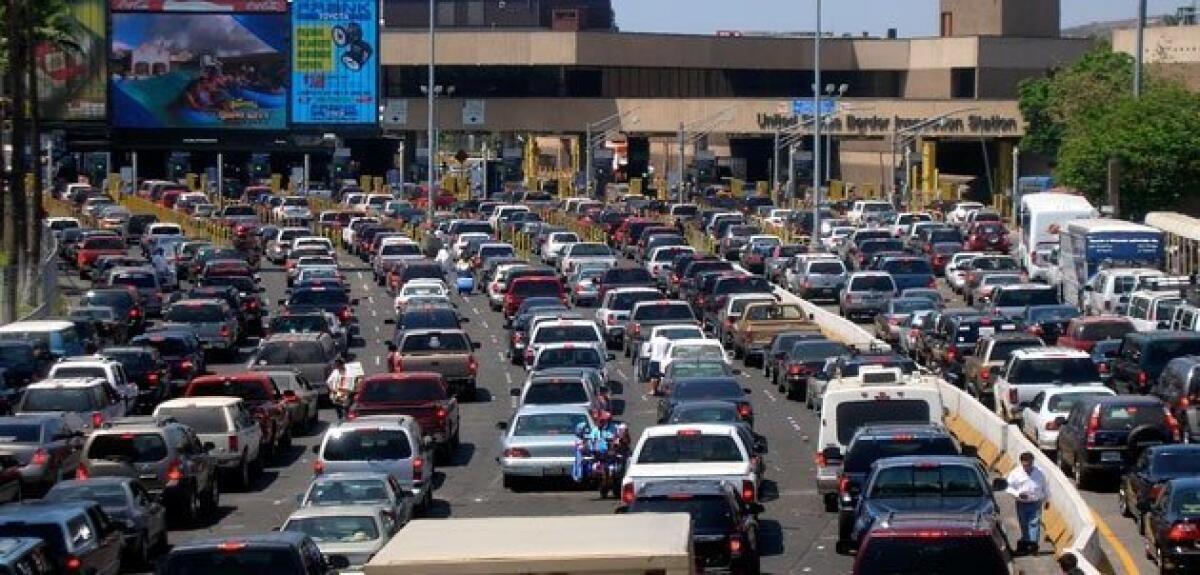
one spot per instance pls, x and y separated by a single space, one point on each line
212 500
1081 478
285 444
1123 503
141 553
513 483
243 475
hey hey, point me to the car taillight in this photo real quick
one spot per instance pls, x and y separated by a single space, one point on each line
40 457
318 467
1103 368
735 546
72 563
1053 425
472 364
637 329
843 484
516 453
81 473
1173 425
1183 532
174 471
1142 379
747 491
951 354
745 411
1036 329
418 467
1092 426
627 495
352 414
185 365
252 304
517 337
97 419
985 373
224 331
233 443
795 369
152 378
346 314
135 313
610 320
821 460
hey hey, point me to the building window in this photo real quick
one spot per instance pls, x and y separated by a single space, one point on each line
475 13
962 82
445 13
947 24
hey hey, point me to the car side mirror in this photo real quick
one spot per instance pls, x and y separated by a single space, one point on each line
209 446
337 561
999 484
502 425
476 345
610 357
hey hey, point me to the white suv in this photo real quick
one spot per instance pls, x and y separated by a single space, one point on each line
89 366
85 403
1034 370
225 424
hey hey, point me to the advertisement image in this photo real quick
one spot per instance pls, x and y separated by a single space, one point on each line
199 71
198 5
334 64
71 79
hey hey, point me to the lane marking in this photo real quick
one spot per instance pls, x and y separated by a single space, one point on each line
370 299
500 355
360 276
373 314
474 310
377 362
770 395
485 325
1122 553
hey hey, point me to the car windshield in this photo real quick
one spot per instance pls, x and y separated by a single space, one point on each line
299 324
993 264
707 389
366 444
408 390
247 390
13 355
707 512
1060 370
51 533
548 423
852 415
625 301
663 311
566 334
590 250
426 319
20 433
250 560
817 350
106 495
195 313
319 297
927 480
116 299
907 266
569 357
127 447
697 351
1021 296
292 352
1054 313
135 280
775 312
921 554
168 346
401 249
909 305
441 342
690 446
348 491
826 267
536 288
742 284
336 528
714 413
200 419
698 369
104 243
1125 417
1186 501
1099 330
872 283
945 236
1159 352
1003 349
627 276
74 400
1176 463
862 454
738 305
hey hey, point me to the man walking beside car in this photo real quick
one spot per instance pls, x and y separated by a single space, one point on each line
1027 484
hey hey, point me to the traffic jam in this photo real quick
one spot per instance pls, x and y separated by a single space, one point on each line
301 390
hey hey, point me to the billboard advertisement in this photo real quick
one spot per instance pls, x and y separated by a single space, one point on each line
335 68
199 71
71 82
198 5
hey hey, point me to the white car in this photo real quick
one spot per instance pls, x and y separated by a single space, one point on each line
376 202
833 241
717 452
859 213
348 232
694 349
310 241
461 241
85 403
227 424
651 355
579 332
778 217
576 254
420 288
1033 370
555 244
292 208
956 277
658 261
959 214
308 262
905 220
111 371
613 310
1040 420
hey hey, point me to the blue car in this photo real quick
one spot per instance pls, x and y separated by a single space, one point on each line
909 271
921 484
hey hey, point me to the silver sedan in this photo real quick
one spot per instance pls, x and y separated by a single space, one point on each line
539 441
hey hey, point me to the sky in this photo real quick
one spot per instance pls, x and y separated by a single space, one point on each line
910 17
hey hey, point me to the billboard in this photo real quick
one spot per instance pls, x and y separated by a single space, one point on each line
335 68
71 82
199 71
198 5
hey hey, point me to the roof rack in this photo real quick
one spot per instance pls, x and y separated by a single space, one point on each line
1165 283
135 420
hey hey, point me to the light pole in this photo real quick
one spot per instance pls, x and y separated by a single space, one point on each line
430 102
835 93
816 176
1138 49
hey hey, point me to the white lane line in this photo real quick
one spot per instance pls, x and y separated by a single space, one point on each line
792 420
512 399
622 374
376 329
373 314
485 325
377 362
366 287
644 398
474 310
500 355
370 299
360 276
770 396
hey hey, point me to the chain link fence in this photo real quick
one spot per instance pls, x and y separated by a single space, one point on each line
37 286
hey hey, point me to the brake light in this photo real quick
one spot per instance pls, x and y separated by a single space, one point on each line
1103 368
1052 425
1142 379
472 365
252 304
441 413
134 313
185 365
747 491
1183 532
174 471
985 373
346 314
351 415
40 457
795 369
627 495
745 411
610 320
1036 329
637 329
418 467
73 563
843 484
97 419
820 460
81 473
951 354
516 453
152 378
1092 426
318 467
1173 424
849 298
224 331
735 546
893 321
231 547
233 443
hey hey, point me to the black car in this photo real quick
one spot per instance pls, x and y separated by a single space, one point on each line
1153 469
962 334
1172 527
289 552
684 390
874 442
21 363
724 530
142 519
912 543
1144 355
1106 434
1048 321
145 367
180 349
248 302
95 542
1179 388
781 345
805 359
124 303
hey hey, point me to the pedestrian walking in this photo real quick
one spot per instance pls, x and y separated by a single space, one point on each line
393 357
1027 484
340 388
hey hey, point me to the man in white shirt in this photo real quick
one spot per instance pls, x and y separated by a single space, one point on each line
1027 484
340 387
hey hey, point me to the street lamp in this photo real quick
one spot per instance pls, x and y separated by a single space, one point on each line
835 93
429 93
816 176
598 124
432 95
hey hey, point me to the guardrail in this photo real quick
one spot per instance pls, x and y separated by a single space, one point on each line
1066 517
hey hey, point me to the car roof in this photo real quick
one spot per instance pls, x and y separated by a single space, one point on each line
372 421
1050 353
889 430
553 409
271 538
684 487
42 511
336 511
704 429
912 460
67 382
36 325
190 402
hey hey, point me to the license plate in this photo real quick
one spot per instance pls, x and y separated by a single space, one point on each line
1110 456
553 471
148 476
986 331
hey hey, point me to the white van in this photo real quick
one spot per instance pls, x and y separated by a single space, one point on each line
1040 218
876 395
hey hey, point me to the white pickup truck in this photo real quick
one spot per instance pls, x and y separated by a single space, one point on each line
714 451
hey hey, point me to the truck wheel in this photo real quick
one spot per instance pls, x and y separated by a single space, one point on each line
243 475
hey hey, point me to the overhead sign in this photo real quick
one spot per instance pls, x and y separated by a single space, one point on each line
335 67
805 107
474 112
198 5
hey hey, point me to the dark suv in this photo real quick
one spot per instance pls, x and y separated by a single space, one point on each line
285 552
724 530
144 366
1106 434
1144 355
912 544
872 443
1179 388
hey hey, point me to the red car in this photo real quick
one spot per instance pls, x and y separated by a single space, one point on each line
535 286
1083 332
261 397
987 237
95 246
420 394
